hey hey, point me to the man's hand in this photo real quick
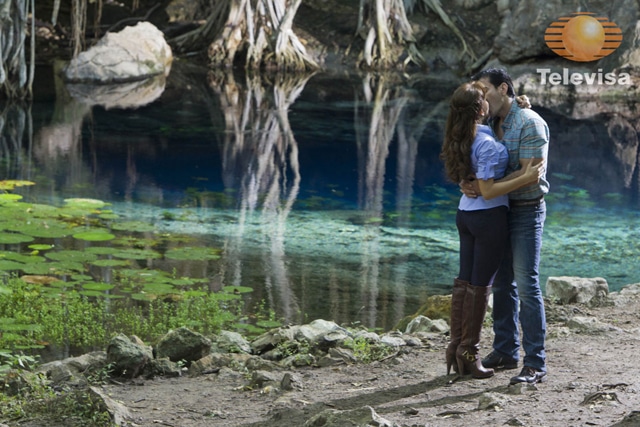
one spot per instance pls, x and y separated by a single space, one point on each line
469 187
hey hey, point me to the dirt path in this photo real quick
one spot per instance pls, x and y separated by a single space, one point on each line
594 380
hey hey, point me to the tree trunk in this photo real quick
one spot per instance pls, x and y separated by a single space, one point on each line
15 74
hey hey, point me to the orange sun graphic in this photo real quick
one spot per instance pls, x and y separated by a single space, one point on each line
583 37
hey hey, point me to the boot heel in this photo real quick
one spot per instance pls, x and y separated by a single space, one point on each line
461 366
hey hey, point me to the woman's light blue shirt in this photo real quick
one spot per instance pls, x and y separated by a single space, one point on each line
489 160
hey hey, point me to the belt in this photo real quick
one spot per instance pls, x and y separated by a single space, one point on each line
527 202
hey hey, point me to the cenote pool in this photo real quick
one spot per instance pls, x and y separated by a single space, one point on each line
320 196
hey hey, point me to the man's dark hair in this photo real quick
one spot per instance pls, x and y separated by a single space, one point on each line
496 77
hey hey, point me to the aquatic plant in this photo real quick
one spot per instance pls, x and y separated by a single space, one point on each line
59 292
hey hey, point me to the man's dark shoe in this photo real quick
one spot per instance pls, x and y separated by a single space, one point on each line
497 362
529 375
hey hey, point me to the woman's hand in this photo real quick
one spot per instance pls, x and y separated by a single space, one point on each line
532 173
469 187
523 101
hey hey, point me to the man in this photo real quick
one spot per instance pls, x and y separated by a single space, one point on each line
516 288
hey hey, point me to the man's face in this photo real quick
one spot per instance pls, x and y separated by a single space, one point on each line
494 96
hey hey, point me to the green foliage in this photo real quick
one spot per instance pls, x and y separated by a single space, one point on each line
101 376
32 316
293 348
366 351
78 409
10 360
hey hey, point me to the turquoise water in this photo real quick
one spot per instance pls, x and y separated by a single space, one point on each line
325 195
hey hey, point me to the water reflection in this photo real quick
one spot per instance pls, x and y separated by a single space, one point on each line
259 142
376 119
325 193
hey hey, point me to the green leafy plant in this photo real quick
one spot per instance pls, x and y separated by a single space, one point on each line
366 351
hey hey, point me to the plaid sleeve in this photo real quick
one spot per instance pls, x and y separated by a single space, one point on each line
534 139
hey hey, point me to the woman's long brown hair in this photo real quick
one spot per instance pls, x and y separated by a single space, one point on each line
460 130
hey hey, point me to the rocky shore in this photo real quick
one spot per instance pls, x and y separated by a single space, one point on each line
593 338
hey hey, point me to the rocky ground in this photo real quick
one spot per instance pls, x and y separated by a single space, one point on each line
594 380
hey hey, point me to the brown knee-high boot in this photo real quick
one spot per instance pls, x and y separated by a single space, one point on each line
455 322
474 308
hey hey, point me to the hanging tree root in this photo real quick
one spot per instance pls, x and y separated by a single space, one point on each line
387 33
262 29
435 6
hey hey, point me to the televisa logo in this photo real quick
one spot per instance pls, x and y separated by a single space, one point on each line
583 37
566 77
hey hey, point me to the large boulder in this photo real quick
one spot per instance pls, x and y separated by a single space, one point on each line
128 355
580 290
133 54
183 345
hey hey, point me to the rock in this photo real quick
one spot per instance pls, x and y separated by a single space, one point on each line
424 324
215 362
232 342
72 370
162 367
133 54
183 344
358 417
291 382
271 339
119 413
129 356
314 333
589 325
392 341
571 290
494 401
260 379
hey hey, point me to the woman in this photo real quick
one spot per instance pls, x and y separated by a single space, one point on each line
469 151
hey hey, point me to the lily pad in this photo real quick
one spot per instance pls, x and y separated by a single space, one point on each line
71 255
137 254
41 228
7 197
102 250
94 236
40 247
159 288
97 286
10 265
10 184
186 281
136 226
193 254
110 263
236 289
143 297
26 259
91 293
13 238
64 267
108 216
85 203
36 210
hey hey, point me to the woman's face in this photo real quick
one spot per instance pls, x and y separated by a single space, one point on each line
493 97
484 110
